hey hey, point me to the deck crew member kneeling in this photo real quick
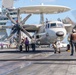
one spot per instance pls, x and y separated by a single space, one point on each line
58 45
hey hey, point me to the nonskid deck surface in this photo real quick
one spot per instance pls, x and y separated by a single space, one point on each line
42 62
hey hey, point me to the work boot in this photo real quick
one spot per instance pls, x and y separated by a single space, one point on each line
71 54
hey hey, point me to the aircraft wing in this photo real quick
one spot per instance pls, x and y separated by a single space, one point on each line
28 27
32 27
68 27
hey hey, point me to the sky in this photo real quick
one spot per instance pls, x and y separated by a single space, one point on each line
35 19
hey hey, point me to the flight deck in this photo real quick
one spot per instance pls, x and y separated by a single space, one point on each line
41 62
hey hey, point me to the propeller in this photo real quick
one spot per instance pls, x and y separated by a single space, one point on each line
18 26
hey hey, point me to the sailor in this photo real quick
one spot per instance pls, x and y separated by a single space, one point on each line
26 44
58 45
73 41
33 42
54 46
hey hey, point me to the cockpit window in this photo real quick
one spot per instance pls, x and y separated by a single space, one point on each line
59 25
48 25
53 24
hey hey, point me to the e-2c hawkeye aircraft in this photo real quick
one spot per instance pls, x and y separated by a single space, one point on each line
45 32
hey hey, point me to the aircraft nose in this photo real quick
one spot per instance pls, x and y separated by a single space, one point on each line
60 33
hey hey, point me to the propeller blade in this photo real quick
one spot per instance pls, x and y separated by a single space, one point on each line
26 18
22 29
8 15
5 27
18 38
18 15
12 33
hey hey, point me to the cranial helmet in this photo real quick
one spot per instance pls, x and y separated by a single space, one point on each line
74 31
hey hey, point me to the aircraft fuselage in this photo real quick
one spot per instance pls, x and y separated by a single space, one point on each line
50 32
